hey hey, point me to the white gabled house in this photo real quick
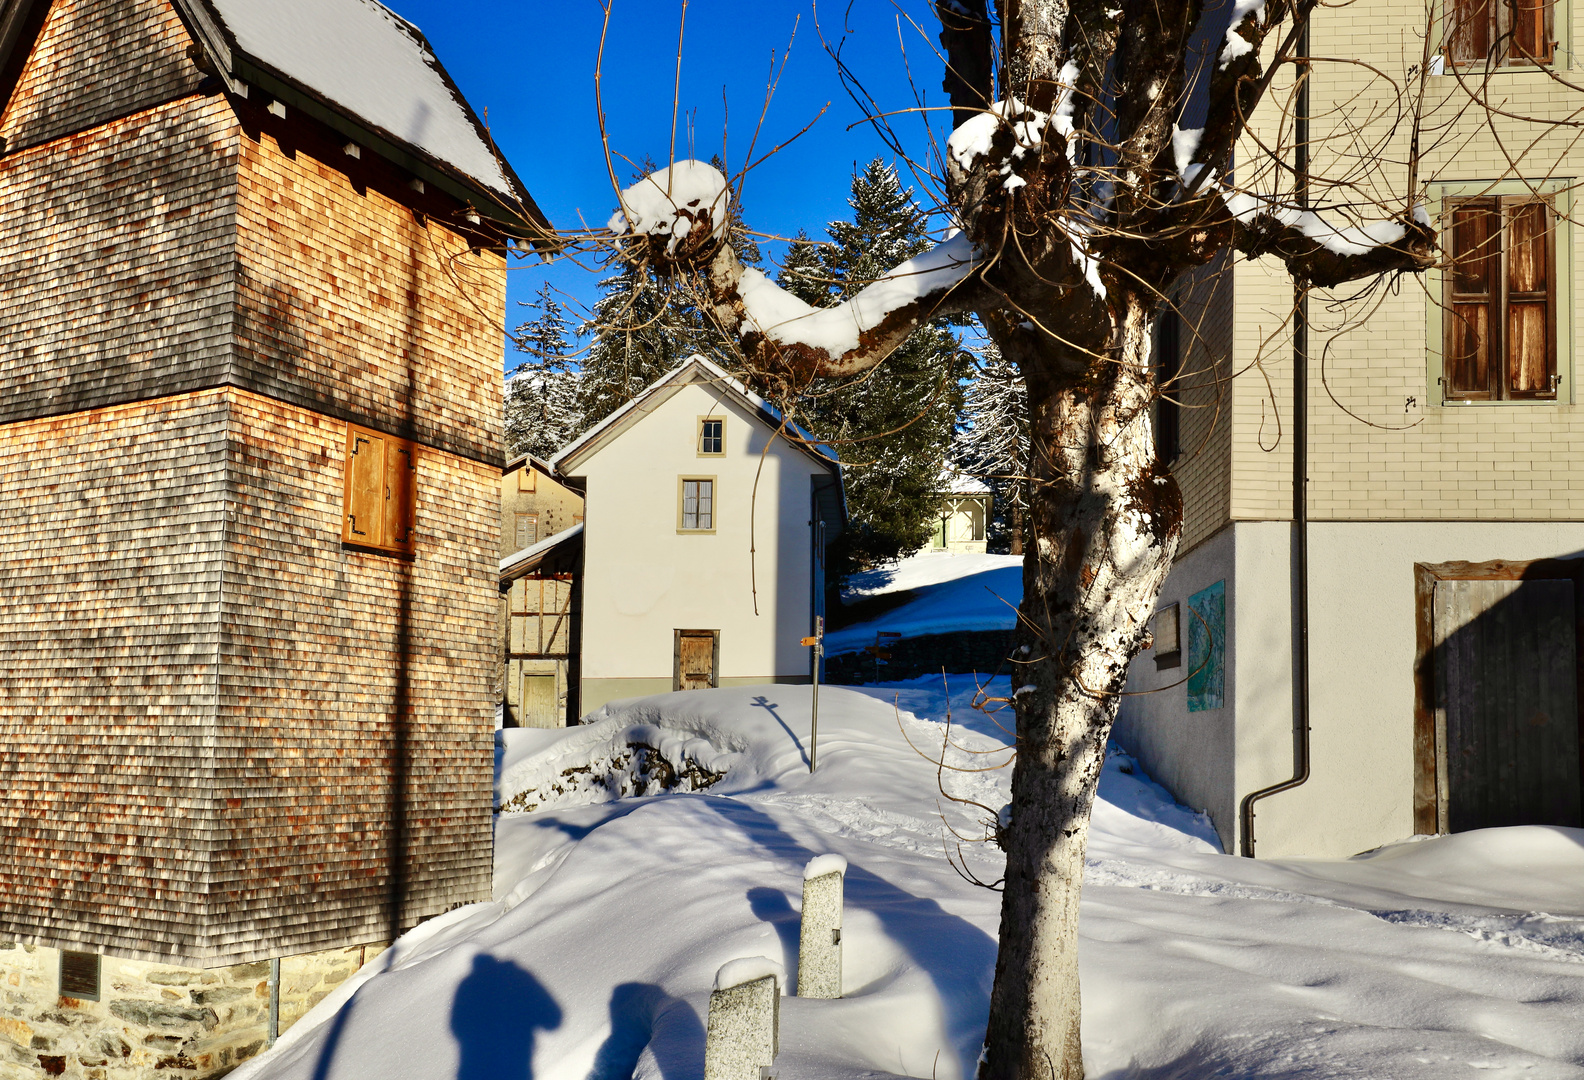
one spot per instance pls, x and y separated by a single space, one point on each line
706 520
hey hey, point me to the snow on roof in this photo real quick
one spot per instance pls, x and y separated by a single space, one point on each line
534 551
956 483
717 376
360 56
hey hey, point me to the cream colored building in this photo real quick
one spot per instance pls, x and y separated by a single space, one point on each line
703 543
1445 496
538 617
962 516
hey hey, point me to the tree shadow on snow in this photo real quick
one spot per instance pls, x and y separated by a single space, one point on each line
643 1016
958 957
497 1010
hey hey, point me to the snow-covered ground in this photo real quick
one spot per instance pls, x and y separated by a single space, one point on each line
954 592
1459 956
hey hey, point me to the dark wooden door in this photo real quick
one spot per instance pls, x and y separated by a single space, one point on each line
695 659
1507 717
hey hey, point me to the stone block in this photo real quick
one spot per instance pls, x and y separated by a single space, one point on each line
743 1035
819 939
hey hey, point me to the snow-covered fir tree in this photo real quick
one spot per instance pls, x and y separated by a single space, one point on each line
893 431
993 442
543 411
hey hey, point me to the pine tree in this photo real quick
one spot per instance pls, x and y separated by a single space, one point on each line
993 442
543 412
644 325
892 428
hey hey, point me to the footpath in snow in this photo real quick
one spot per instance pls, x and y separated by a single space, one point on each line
951 593
1450 957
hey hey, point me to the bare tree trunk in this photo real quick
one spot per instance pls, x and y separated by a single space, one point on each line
1104 524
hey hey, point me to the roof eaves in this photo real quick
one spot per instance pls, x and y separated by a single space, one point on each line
514 212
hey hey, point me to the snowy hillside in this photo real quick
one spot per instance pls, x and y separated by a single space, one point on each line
1453 957
951 593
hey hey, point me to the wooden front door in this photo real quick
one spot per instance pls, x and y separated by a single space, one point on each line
1506 703
696 655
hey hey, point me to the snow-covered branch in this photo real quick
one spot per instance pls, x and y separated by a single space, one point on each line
682 213
1322 252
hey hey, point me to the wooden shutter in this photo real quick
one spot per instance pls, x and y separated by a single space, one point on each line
1530 301
1472 299
380 493
695 659
364 489
1468 30
1523 31
401 493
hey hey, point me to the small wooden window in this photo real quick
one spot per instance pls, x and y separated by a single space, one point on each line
79 975
380 494
527 530
696 512
1503 33
711 436
1500 304
1167 631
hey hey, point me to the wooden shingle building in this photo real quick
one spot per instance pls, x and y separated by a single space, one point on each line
252 277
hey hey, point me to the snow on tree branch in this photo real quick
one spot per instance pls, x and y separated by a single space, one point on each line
684 229
1322 252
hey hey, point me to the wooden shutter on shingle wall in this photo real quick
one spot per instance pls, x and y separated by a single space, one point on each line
380 493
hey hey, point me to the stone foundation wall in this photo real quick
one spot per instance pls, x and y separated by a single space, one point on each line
982 651
152 1020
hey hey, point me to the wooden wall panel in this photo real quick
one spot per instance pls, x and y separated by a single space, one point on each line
321 646
94 62
116 259
352 305
110 630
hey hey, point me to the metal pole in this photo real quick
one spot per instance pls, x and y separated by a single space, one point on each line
1300 481
819 652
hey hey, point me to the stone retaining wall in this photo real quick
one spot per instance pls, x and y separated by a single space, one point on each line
981 651
152 1019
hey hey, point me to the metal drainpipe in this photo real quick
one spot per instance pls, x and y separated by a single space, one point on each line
1300 481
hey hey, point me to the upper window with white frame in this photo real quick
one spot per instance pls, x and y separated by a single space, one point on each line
696 511
711 436
1502 33
1500 303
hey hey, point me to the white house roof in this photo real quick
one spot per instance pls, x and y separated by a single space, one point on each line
692 370
953 482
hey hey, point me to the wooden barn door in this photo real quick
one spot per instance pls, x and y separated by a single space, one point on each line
1506 703
697 653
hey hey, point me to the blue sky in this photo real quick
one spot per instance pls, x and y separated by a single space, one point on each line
530 66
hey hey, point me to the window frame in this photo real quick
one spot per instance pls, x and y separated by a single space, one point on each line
698 442
404 546
1557 47
682 482
1557 192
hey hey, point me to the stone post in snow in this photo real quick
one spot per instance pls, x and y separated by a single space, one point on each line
819 941
744 1034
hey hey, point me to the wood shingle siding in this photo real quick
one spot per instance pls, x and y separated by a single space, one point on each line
230 736
96 62
117 262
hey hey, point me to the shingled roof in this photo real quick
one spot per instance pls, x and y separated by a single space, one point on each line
357 67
